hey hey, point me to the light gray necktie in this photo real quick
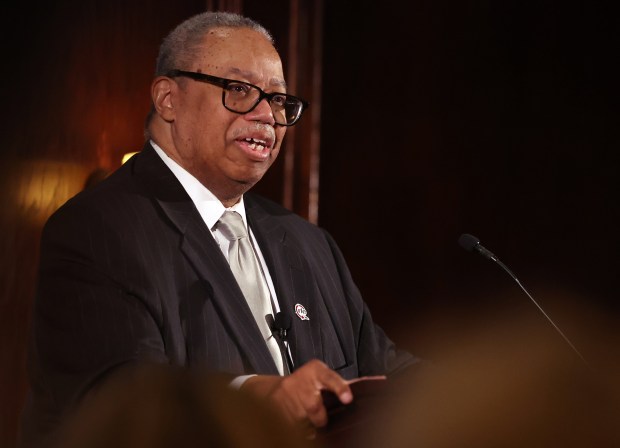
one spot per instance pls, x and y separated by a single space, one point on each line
247 271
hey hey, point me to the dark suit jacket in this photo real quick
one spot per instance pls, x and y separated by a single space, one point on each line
129 272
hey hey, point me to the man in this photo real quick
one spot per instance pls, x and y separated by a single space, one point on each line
136 269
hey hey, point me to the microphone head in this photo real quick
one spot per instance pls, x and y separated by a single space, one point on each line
468 242
282 321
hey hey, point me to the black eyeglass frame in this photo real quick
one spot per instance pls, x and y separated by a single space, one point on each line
225 82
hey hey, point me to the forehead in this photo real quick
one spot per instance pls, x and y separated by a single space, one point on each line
241 50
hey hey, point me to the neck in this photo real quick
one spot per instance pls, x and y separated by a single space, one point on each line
229 202
228 191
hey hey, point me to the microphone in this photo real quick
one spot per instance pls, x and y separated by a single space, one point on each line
281 324
279 328
472 244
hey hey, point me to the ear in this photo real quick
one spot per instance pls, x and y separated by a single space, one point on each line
161 94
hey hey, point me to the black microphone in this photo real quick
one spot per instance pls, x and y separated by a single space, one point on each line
279 328
472 244
281 324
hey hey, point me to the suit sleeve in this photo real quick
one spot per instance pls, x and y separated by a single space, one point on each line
376 353
87 319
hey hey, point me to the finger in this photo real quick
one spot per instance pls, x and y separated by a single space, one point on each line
333 382
315 410
295 398
300 394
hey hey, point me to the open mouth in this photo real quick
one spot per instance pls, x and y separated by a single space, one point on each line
256 144
256 148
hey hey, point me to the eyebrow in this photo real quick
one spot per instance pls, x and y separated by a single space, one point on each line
250 75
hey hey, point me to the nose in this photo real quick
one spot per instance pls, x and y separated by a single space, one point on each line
262 113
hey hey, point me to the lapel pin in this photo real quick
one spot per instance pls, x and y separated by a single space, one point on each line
301 312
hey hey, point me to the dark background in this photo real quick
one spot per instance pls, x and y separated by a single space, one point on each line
496 118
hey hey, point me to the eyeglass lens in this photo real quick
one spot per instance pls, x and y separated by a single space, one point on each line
242 98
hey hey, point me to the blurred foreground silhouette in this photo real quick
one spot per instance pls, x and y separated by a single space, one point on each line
511 382
162 406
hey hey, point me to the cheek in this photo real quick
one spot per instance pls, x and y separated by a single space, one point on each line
211 128
201 108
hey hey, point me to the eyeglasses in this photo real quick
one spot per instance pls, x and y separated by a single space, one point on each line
242 97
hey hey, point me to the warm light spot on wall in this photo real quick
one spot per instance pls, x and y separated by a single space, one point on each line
41 186
127 156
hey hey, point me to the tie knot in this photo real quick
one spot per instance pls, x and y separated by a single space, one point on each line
232 227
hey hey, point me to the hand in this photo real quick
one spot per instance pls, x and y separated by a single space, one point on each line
298 396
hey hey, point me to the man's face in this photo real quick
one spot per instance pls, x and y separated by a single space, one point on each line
223 149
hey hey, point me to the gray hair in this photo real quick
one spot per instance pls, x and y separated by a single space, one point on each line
181 46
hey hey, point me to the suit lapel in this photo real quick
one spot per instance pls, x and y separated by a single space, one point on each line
205 256
293 281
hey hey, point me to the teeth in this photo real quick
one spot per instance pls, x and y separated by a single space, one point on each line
256 144
261 142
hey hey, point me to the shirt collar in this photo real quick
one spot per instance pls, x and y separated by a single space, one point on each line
208 205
